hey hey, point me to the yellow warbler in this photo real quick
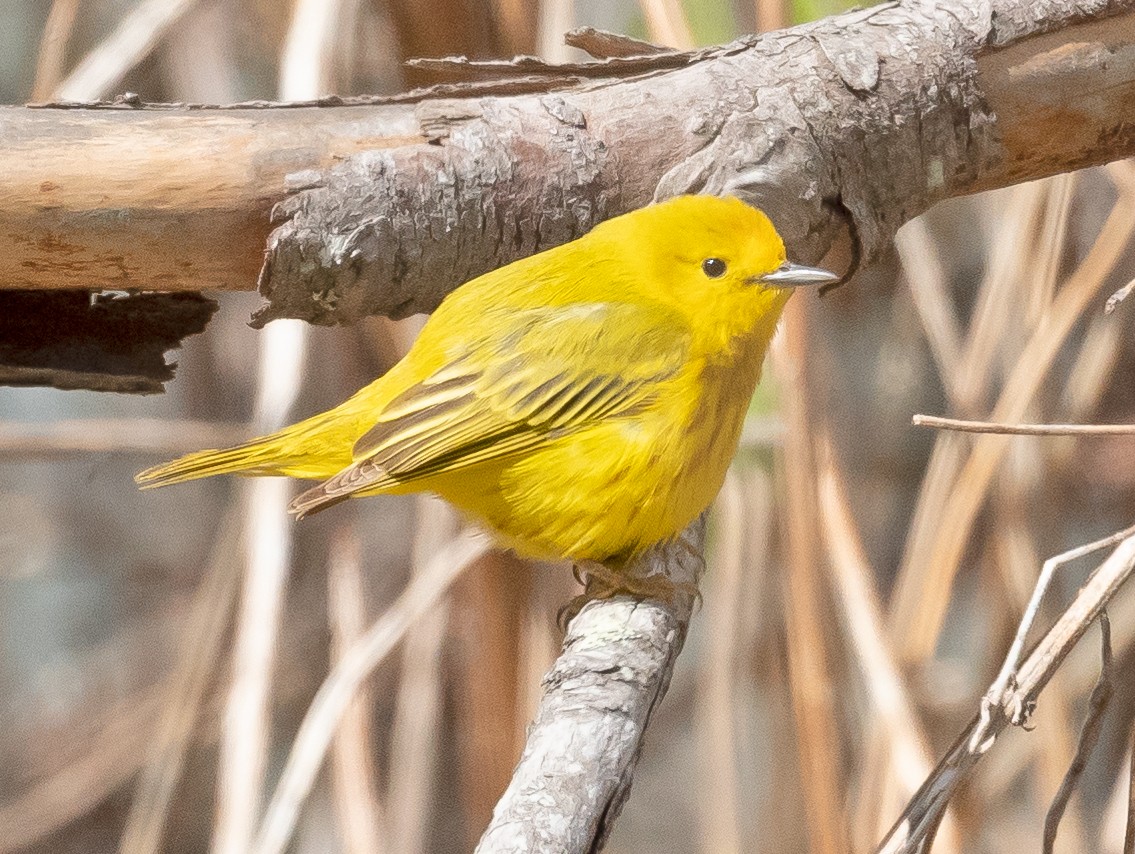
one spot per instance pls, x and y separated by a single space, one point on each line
583 403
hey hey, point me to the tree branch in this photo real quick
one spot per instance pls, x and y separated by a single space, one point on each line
864 119
583 746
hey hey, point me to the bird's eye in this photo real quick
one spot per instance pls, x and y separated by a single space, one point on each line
713 267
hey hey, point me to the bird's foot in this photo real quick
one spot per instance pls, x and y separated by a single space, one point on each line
602 582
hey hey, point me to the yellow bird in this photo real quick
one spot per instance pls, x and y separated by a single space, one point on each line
583 403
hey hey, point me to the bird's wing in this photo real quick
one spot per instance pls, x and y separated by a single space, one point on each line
564 368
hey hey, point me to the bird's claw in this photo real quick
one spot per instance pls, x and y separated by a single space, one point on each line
601 582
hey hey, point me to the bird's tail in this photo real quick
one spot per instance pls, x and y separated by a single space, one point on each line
258 456
315 448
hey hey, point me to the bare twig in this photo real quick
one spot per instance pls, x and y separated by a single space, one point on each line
915 828
962 426
995 698
1089 735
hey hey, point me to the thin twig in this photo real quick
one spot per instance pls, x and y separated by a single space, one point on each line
914 831
1089 735
356 664
962 426
1001 688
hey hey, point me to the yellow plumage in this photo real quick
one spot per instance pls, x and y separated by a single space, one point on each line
583 403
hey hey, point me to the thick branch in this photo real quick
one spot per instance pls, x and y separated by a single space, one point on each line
864 119
583 746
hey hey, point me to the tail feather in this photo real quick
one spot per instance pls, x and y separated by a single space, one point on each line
254 457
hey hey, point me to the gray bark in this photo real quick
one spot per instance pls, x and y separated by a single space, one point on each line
583 746
857 122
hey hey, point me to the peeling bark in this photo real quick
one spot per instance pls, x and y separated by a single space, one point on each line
106 342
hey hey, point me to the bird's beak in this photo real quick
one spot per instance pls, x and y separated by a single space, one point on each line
789 275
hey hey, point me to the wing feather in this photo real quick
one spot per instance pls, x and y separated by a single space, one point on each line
601 360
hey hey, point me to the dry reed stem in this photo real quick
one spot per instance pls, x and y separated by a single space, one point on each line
919 611
414 735
335 694
908 755
998 289
718 796
517 25
922 267
488 607
136 35
202 636
1023 429
1093 369
353 762
53 48
915 828
667 24
315 46
267 545
1052 233
772 15
31 440
247 723
1011 257
107 763
808 671
555 18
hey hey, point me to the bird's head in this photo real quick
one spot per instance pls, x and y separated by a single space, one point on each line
709 253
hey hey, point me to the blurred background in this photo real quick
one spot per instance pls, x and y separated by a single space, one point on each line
159 650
